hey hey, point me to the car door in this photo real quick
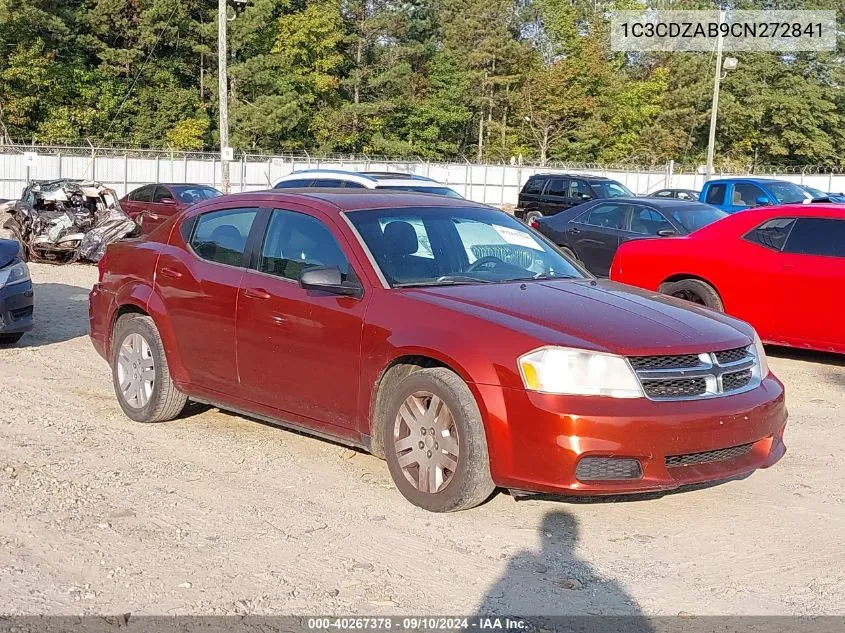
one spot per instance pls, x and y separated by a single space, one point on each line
139 202
160 208
299 350
812 271
595 235
745 195
554 198
198 277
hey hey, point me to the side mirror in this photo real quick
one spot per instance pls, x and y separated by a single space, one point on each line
586 196
328 279
667 232
167 201
762 201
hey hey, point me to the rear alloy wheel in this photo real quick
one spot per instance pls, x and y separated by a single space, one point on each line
435 443
141 377
694 291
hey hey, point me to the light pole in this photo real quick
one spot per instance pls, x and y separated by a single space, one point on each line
730 64
223 97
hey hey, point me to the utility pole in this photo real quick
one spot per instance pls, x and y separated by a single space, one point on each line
223 77
714 108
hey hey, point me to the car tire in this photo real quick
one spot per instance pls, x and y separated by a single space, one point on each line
10 339
140 373
457 468
530 216
695 291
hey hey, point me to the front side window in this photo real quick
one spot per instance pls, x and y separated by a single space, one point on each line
189 194
325 182
162 193
220 236
645 221
464 245
817 236
295 242
772 234
610 216
579 189
716 194
746 194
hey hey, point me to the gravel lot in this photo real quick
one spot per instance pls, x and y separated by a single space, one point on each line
215 513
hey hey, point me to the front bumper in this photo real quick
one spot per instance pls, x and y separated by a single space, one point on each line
16 308
537 440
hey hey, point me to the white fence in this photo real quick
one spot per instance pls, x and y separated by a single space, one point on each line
494 184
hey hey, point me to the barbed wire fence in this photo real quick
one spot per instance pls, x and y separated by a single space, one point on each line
492 182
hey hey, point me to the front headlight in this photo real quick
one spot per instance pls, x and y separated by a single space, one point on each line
562 370
760 353
14 274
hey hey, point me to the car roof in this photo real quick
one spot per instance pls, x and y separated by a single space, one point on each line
582 176
367 178
658 203
329 199
755 181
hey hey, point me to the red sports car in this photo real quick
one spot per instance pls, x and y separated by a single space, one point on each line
440 334
782 269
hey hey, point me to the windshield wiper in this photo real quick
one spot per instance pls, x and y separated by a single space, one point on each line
445 280
541 277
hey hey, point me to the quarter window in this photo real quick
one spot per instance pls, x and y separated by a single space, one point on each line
220 236
772 234
295 242
534 185
817 236
716 194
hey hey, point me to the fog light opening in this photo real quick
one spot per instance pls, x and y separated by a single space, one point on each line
608 469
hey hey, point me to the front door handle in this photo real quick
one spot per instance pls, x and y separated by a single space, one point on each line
152 216
169 272
256 293
574 229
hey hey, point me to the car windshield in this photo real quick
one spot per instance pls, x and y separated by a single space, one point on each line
440 191
612 189
816 193
695 216
443 246
191 195
786 192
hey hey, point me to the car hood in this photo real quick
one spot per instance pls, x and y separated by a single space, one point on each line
595 314
9 249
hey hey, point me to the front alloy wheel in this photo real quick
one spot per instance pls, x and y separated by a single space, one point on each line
426 442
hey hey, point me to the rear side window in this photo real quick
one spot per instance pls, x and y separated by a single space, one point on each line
611 216
558 187
295 242
716 194
220 236
534 185
144 194
817 236
772 234
292 184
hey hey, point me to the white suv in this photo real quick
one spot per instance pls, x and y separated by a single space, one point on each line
364 180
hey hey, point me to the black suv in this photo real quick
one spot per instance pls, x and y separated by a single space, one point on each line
548 194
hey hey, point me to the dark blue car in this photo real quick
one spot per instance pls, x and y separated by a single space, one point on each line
738 194
16 295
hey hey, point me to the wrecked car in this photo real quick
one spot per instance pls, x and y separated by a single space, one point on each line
16 295
68 220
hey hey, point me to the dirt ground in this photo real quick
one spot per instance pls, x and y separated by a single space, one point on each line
215 513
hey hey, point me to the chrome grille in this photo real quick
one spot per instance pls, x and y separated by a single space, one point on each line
707 457
693 376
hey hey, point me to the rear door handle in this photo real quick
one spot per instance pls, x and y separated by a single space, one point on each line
169 272
574 229
256 293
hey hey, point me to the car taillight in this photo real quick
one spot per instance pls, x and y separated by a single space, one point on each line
533 223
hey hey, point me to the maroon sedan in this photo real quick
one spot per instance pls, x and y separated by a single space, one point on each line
151 205
440 334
